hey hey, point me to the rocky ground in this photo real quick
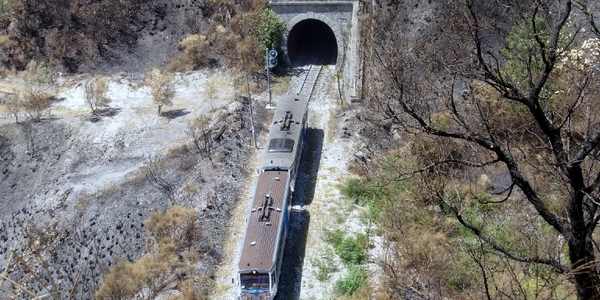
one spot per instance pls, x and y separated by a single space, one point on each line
77 187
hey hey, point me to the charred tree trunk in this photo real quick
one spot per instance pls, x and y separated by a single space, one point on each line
584 267
587 281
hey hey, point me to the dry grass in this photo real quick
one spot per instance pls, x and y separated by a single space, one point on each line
4 39
332 126
173 236
281 84
215 84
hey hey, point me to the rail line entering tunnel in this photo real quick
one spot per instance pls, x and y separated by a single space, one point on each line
309 82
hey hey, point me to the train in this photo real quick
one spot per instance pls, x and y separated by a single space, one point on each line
260 262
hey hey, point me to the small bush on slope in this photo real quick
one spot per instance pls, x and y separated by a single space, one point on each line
353 280
162 88
352 250
95 93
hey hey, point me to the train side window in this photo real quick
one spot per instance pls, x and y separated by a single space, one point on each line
281 145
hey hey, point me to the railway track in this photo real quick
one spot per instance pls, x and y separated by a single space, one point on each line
304 84
307 88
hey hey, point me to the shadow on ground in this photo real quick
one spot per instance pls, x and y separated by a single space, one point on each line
290 281
174 114
309 168
290 71
108 112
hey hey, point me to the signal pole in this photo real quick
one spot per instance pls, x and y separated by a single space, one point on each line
268 67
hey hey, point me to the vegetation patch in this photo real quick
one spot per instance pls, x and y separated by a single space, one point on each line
352 250
325 265
173 238
355 278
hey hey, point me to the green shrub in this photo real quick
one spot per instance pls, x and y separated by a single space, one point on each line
519 43
325 265
270 29
367 193
353 280
351 250
334 237
361 191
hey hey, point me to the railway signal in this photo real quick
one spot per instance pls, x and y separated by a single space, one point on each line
270 63
272 58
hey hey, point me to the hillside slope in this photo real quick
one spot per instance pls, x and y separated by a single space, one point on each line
81 186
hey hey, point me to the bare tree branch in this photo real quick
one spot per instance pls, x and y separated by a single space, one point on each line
496 246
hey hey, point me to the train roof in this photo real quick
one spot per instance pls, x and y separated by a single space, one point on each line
265 223
284 135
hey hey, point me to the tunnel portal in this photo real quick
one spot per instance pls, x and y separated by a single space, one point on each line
312 41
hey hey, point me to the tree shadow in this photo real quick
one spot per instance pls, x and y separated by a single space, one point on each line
174 114
309 167
46 119
290 280
108 112
55 99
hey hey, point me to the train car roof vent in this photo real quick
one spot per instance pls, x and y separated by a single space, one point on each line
266 206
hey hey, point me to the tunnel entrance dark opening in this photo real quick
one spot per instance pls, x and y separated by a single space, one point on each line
312 42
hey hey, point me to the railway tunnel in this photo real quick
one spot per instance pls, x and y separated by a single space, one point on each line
312 42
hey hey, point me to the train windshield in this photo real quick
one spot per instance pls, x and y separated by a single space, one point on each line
281 145
254 281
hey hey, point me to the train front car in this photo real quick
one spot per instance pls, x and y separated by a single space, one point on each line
262 252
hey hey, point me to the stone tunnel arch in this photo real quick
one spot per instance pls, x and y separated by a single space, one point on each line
313 39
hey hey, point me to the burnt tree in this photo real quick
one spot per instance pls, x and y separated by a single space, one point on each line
527 107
